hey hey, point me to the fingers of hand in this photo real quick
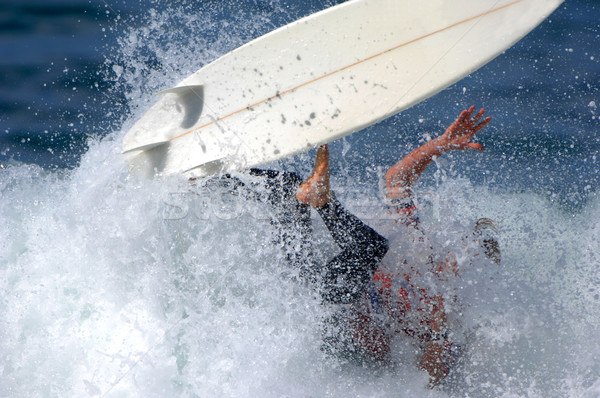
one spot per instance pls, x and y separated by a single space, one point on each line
467 113
475 146
482 124
464 123
465 127
462 117
471 110
473 127
479 115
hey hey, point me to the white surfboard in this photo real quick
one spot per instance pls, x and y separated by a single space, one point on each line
321 78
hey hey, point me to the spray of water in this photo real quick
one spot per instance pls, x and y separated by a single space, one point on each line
116 286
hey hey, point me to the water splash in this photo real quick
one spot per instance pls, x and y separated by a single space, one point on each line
115 286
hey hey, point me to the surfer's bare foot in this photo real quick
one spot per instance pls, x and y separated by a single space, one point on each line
315 190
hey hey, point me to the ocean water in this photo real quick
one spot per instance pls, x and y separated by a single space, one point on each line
120 287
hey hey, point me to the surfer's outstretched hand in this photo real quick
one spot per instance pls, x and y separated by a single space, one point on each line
315 190
458 136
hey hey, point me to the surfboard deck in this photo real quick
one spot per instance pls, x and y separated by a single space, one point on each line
321 78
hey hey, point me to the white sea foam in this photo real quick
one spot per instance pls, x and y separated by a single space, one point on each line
104 292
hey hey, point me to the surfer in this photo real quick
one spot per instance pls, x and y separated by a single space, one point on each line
382 301
376 300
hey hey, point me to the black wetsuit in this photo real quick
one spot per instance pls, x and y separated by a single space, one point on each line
344 278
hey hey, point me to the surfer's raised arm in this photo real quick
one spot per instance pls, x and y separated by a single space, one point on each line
401 176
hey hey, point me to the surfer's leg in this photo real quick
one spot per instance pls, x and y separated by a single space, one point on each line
348 273
345 279
315 190
346 276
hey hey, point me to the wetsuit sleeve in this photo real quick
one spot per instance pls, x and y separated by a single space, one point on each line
347 274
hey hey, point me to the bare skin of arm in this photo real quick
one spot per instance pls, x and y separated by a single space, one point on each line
402 176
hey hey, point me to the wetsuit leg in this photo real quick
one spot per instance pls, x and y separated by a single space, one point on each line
344 278
347 274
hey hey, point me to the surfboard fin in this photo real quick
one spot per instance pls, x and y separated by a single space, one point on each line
208 168
147 147
191 98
